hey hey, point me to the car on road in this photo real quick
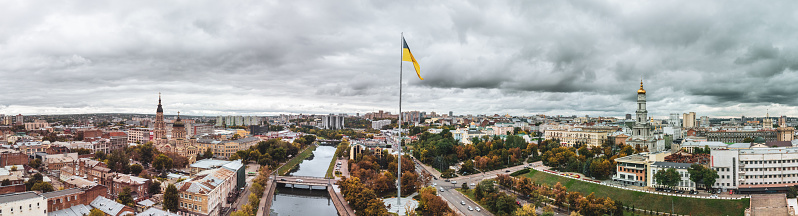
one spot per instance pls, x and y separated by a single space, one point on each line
454 182
507 171
479 209
462 202
339 163
447 180
299 180
434 184
470 209
441 189
282 179
472 184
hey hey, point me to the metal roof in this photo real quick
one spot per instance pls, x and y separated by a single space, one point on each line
78 210
106 205
5 198
59 193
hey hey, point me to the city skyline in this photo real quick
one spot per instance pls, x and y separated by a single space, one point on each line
518 58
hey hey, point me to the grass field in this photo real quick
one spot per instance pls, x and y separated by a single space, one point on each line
662 203
296 160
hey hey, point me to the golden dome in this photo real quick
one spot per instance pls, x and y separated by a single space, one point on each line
641 90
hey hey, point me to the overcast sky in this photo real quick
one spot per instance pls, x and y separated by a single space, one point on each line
716 58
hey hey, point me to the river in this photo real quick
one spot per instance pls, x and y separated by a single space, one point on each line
300 201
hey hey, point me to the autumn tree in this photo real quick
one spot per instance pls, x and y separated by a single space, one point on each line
526 210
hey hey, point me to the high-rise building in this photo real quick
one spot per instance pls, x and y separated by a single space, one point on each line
451 114
688 120
19 120
333 122
704 121
674 121
767 123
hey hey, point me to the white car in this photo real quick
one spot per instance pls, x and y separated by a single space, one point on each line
479 209
462 202
441 189
299 180
434 184
470 209
454 182
472 184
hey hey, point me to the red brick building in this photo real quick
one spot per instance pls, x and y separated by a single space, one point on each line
63 199
13 158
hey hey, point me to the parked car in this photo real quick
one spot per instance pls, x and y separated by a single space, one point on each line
454 182
446 180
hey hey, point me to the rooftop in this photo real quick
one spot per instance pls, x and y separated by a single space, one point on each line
672 165
156 212
6 198
206 181
108 206
209 163
78 210
59 193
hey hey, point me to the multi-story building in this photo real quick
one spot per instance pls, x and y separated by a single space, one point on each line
634 169
35 125
674 121
688 120
333 122
704 121
199 129
571 137
63 199
202 195
378 124
25 203
138 135
684 177
739 136
19 120
138 186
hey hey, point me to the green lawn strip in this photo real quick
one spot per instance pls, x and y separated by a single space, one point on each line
642 200
296 160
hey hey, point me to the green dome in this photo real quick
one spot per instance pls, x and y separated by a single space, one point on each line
759 140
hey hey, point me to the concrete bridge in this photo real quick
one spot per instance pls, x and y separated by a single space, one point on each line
329 142
266 201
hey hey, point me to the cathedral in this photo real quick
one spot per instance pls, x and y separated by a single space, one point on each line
642 135
179 142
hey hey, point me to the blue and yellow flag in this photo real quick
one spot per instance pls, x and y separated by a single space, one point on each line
408 56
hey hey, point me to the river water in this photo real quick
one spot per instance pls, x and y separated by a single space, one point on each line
300 201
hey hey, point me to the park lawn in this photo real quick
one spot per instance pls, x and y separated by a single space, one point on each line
296 160
642 200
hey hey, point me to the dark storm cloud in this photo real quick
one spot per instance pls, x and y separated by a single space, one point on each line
306 56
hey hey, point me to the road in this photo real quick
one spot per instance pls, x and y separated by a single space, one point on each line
244 197
455 197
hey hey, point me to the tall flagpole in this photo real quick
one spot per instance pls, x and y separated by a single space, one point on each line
399 171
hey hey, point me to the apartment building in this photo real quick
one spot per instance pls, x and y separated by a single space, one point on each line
25 203
202 195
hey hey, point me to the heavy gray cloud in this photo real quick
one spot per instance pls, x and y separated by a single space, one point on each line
717 58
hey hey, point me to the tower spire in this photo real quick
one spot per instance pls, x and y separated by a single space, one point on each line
159 97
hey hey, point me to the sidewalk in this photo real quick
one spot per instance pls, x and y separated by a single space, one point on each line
427 168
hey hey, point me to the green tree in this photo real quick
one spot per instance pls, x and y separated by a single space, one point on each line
136 169
696 172
96 212
155 188
748 140
162 162
170 199
792 192
43 187
6 182
710 176
35 163
146 153
669 177
208 153
125 197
